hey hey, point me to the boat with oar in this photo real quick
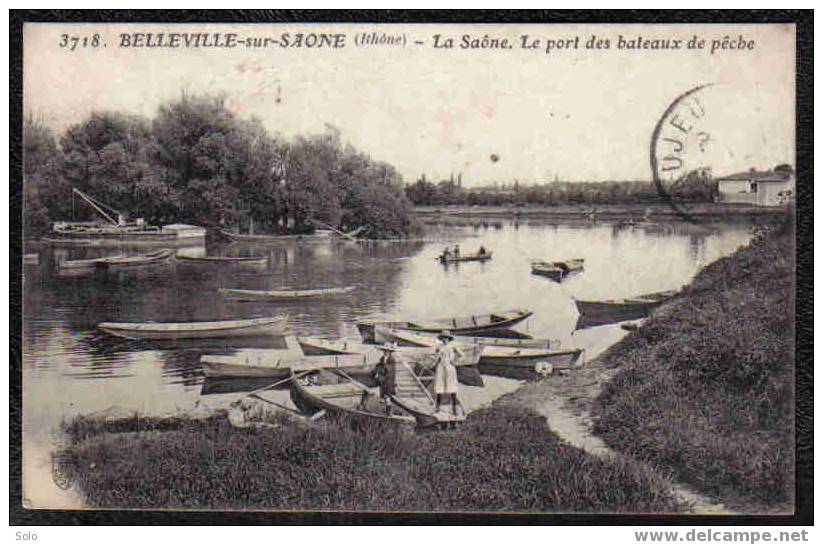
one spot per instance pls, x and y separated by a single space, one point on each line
336 391
278 295
557 270
450 258
154 258
421 357
279 363
493 358
411 338
196 330
222 260
413 396
595 313
478 324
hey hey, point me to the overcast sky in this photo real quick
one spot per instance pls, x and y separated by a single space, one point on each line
574 114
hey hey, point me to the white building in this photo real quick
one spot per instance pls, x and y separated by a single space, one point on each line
769 188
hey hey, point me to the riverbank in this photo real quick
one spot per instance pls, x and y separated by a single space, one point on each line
503 458
705 212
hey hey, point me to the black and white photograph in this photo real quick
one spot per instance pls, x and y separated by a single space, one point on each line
359 267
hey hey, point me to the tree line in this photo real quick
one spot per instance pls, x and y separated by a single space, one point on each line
197 162
697 186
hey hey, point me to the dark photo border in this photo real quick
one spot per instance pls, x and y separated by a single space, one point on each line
804 502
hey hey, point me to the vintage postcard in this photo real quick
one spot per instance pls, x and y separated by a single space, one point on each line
491 268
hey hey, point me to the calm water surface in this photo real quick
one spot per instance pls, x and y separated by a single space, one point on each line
69 367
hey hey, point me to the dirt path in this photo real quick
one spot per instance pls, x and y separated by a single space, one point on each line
565 401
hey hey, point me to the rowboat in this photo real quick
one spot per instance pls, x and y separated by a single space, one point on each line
594 313
413 396
256 295
317 236
279 363
480 324
153 258
468 257
494 357
557 270
410 338
86 263
196 330
222 260
339 393
528 362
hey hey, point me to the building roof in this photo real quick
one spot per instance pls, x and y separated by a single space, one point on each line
758 176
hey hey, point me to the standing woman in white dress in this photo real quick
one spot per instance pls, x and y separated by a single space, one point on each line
445 373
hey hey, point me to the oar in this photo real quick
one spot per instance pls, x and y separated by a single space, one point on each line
279 382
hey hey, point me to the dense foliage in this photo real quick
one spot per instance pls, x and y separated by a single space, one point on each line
197 162
706 385
695 187
501 459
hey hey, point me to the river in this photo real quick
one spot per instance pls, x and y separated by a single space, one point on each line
71 368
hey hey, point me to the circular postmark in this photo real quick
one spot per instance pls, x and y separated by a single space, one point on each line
678 146
724 142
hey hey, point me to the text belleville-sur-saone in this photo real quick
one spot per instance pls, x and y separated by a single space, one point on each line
229 40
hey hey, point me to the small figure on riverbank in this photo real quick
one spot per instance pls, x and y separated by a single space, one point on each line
386 373
445 373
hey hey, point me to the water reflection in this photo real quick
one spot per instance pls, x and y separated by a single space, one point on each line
71 367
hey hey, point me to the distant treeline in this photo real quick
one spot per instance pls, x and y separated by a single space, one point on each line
196 162
696 187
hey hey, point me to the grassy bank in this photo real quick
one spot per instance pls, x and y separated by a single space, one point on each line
705 387
502 459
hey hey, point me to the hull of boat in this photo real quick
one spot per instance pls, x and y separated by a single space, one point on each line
277 363
530 365
474 257
595 313
409 338
314 237
157 258
369 331
280 295
196 330
216 260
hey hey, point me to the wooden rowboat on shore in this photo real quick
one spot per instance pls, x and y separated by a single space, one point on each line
279 363
337 392
479 324
595 313
273 295
196 330
222 260
557 270
317 236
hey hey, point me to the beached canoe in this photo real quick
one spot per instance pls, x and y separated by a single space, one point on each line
196 330
411 338
338 392
222 260
317 236
417 399
273 295
279 363
480 324
594 313
557 270
468 257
